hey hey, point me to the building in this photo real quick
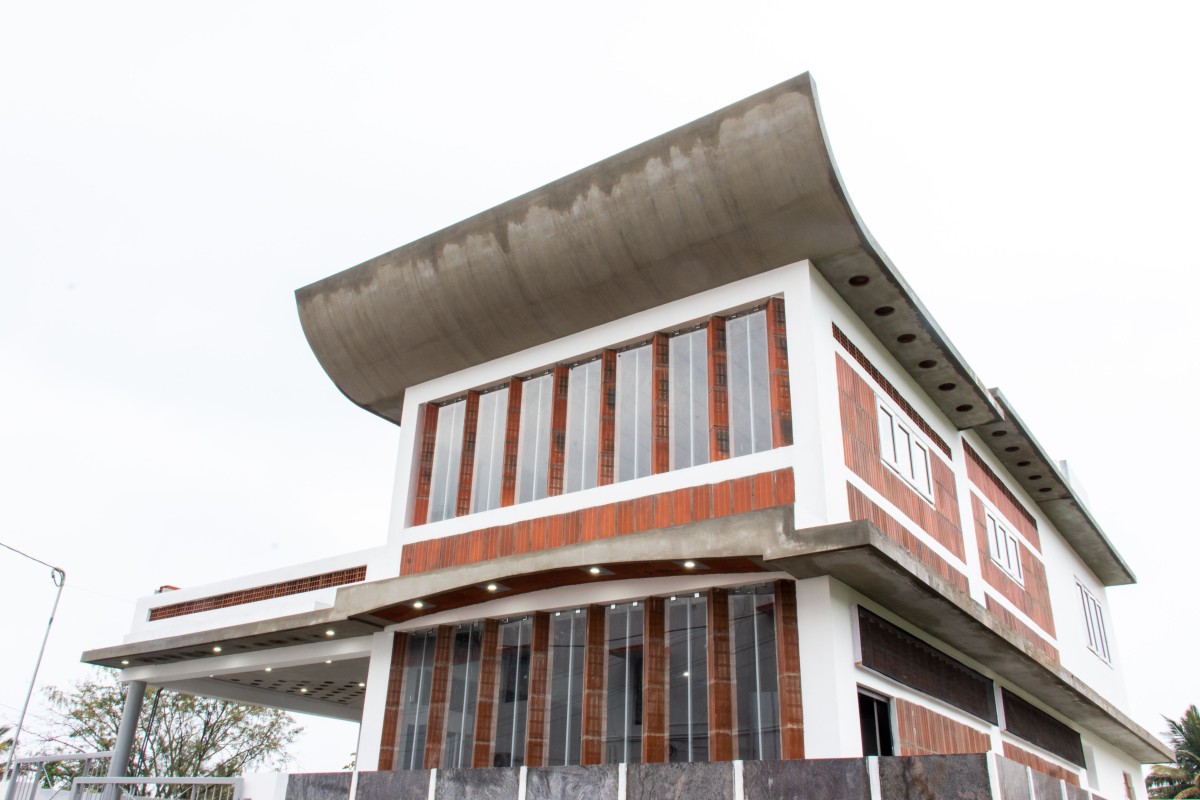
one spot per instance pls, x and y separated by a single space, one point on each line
686 474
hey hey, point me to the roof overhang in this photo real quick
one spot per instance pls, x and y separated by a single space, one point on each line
857 553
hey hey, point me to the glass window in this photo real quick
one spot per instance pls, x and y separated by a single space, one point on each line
513 706
689 399
623 729
1093 617
414 713
635 412
568 642
749 384
489 450
1003 547
583 426
687 680
533 444
875 724
752 624
903 451
447 456
464 691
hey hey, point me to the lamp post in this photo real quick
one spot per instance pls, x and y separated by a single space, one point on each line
60 578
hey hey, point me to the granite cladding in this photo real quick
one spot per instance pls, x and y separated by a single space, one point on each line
826 778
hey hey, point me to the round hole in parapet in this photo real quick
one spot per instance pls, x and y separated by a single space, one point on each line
1023 463
928 363
948 387
1044 489
906 338
1035 477
964 407
1012 448
884 311
998 434
859 280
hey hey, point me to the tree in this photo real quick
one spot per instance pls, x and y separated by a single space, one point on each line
178 735
1181 779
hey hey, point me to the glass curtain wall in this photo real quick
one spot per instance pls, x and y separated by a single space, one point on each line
464 692
533 444
687 681
489 450
447 457
583 427
752 629
635 412
513 707
568 646
623 647
749 383
414 711
689 399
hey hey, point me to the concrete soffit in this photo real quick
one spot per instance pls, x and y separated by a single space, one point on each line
746 189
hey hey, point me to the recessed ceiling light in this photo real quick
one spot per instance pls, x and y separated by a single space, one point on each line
418 604
330 632
594 570
125 663
491 587
303 690
217 649
329 661
362 686
268 669
689 564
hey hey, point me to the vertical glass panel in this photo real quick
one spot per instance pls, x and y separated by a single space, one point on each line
887 436
489 450
414 710
568 643
533 444
623 729
921 468
464 692
635 412
875 723
513 706
749 383
687 680
903 452
447 456
752 624
583 426
689 399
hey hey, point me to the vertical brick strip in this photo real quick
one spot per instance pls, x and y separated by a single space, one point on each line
389 740
439 696
512 433
661 457
608 417
538 717
720 678
718 392
654 682
592 751
466 468
558 433
777 364
787 644
485 711
425 465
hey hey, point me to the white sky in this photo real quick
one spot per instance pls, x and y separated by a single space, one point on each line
170 173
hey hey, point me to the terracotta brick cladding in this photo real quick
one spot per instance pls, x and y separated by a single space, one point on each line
861 507
1029 634
924 732
860 440
890 390
1033 599
1040 764
1001 497
678 507
268 592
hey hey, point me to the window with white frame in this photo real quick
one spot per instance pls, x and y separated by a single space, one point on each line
1093 617
903 451
1004 547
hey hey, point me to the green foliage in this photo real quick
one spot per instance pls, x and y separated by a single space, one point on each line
1180 780
180 736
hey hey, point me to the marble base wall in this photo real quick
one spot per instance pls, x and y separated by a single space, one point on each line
979 776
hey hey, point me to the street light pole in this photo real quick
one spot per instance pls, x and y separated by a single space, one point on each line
60 578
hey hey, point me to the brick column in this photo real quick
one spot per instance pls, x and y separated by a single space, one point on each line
721 723
439 696
512 433
661 457
485 710
425 465
466 465
608 418
389 740
718 392
558 433
537 718
780 381
654 682
592 751
787 646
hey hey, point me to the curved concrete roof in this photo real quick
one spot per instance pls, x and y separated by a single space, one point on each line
747 189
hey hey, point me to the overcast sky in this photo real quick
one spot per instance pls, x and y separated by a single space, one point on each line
170 173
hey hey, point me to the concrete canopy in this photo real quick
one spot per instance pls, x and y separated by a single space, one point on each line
744 190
